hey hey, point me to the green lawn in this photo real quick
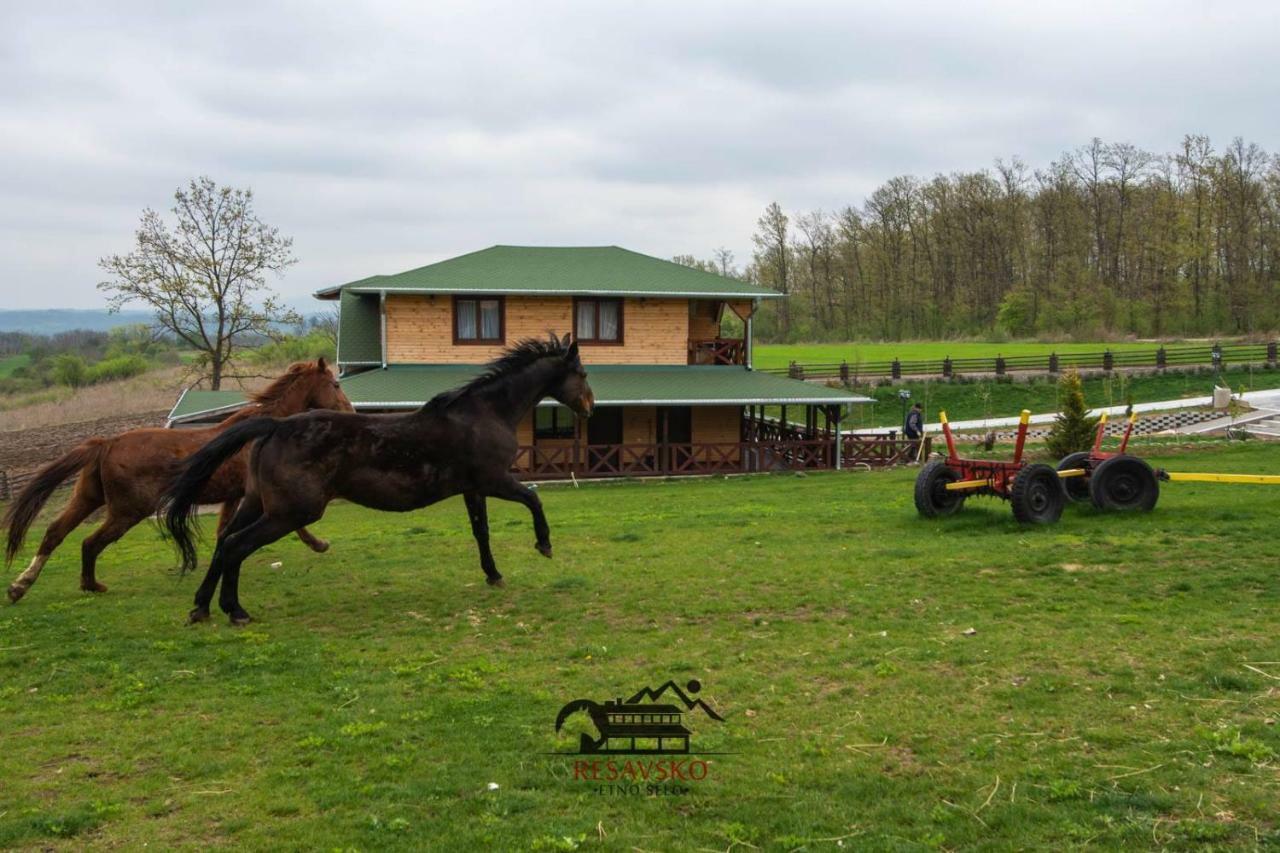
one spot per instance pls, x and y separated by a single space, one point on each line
780 355
887 681
988 398
10 363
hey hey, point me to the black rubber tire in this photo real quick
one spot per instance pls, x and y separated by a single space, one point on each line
1077 488
1124 483
1037 495
932 498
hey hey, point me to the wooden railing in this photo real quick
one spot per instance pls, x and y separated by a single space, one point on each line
764 453
718 351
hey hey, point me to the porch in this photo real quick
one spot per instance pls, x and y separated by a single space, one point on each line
683 441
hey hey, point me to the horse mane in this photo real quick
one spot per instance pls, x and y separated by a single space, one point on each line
266 400
513 359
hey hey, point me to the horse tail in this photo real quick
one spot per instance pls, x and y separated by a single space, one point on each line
29 502
181 499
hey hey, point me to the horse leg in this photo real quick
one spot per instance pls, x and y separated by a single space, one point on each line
248 511
69 519
315 543
111 530
225 514
233 550
479 514
514 490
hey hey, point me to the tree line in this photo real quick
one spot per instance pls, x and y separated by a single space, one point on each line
1108 239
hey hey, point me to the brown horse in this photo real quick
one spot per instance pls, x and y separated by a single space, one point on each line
127 473
461 442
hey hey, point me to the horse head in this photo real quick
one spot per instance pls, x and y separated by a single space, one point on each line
570 387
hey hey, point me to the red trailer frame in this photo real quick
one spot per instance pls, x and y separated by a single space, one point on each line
1033 489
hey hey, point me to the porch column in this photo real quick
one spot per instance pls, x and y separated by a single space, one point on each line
836 411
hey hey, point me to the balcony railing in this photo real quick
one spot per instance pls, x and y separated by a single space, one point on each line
718 351
765 453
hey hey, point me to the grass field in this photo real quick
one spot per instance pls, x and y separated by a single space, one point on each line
886 682
780 355
991 399
10 363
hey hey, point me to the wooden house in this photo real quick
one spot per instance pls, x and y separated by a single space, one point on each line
675 393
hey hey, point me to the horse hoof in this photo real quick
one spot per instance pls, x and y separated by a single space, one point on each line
498 582
240 618
320 546
97 587
16 592
544 550
198 615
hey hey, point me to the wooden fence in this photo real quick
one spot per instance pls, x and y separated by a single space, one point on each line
1217 355
11 483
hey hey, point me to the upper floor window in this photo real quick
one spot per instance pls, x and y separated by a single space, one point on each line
478 321
598 321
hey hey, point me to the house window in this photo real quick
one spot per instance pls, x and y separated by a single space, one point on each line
552 422
478 321
598 321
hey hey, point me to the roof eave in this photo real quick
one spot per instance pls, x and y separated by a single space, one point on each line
743 401
676 294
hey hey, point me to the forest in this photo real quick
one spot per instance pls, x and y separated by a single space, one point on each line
1108 240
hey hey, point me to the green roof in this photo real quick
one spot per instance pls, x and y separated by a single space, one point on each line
407 385
359 329
558 271
197 403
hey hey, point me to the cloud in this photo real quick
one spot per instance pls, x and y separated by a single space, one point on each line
383 136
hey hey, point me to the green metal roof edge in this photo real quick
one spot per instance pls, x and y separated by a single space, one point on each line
829 395
173 416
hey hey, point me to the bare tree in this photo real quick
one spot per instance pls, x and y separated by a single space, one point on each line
205 278
724 260
773 259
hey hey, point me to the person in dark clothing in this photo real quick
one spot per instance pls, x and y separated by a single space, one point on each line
913 428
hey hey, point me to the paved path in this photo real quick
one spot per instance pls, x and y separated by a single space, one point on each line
1269 400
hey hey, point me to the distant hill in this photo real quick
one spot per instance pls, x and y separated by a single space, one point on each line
48 321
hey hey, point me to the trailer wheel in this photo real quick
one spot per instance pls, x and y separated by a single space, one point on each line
1037 495
1077 488
932 497
1124 483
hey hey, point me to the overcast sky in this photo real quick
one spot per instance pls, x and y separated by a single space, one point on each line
385 136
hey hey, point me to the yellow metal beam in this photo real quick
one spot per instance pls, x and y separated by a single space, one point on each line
963 485
1072 472
1253 479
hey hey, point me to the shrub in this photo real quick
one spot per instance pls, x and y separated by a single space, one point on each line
69 370
291 349
1073 429
119 367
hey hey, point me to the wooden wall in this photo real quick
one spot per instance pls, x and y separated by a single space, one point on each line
420 330
704 319
717 424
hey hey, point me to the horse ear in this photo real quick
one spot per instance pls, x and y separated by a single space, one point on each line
320 364
568 337
571 355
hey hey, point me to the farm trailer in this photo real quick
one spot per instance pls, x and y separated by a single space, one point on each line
1037 493
1033 489
1117 480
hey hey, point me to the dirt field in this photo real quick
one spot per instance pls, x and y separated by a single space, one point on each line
23 450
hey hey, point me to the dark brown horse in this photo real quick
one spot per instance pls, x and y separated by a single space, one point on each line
461 442
127 474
